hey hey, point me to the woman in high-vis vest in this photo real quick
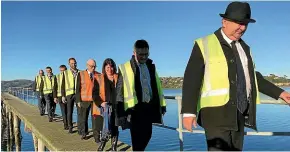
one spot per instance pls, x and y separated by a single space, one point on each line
107 82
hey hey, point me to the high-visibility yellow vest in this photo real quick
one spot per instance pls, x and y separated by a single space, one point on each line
70 82
215 87
37 81
130 98
59 78
48 84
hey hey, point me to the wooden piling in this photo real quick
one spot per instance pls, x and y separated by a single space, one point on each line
17 133
41 146
35 142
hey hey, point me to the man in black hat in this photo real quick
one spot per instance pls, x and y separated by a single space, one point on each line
221 86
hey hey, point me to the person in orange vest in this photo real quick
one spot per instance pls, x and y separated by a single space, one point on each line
87 91
107 83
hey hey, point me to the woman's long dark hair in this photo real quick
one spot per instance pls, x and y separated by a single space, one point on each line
110 62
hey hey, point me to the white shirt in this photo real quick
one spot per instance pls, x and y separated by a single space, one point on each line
244 61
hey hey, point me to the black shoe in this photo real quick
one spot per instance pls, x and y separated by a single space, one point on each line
65 128
84 137
114 142
102 146
41 114
97 140
70 130
50 119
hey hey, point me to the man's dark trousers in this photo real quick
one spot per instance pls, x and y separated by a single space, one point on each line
49 104
141 127
63 108
84 115
222 139
41 103
71 99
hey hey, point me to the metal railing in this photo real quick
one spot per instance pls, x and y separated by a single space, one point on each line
18 91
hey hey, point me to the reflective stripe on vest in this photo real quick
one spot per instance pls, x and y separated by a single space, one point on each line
70 82
130 98
59 82
215 87
48 84
38 81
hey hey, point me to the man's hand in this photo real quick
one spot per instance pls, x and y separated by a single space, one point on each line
285 96
63 99
188 122
55 100
104 104
79 104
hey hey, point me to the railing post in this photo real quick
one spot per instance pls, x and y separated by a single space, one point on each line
180 128
23 94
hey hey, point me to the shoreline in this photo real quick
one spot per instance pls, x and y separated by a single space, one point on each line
274 84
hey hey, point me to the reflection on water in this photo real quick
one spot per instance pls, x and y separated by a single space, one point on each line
269 118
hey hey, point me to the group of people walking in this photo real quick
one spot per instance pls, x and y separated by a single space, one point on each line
126 96
220 88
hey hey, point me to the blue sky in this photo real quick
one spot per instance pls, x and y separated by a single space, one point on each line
40 34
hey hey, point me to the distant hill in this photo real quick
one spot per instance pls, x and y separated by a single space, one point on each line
15 83
167 82
177 82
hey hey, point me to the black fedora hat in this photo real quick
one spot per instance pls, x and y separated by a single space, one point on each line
239 12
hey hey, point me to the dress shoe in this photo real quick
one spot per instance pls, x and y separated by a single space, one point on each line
102 146
84 137
66 128
50 119
70 130
114 142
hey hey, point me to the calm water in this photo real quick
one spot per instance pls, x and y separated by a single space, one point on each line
269 118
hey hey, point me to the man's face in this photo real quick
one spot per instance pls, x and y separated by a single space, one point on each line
41 73
91 66
61 70
234 30
48 71
141 54
73 64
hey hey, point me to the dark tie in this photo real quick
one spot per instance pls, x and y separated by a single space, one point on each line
91 76
242 102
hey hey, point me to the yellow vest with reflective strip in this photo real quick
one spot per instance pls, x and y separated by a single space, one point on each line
130 98
38 81
215 87
48 84
70 82
59 78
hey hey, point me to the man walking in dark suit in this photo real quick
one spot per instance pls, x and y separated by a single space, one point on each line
140 99
221 86
41 101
